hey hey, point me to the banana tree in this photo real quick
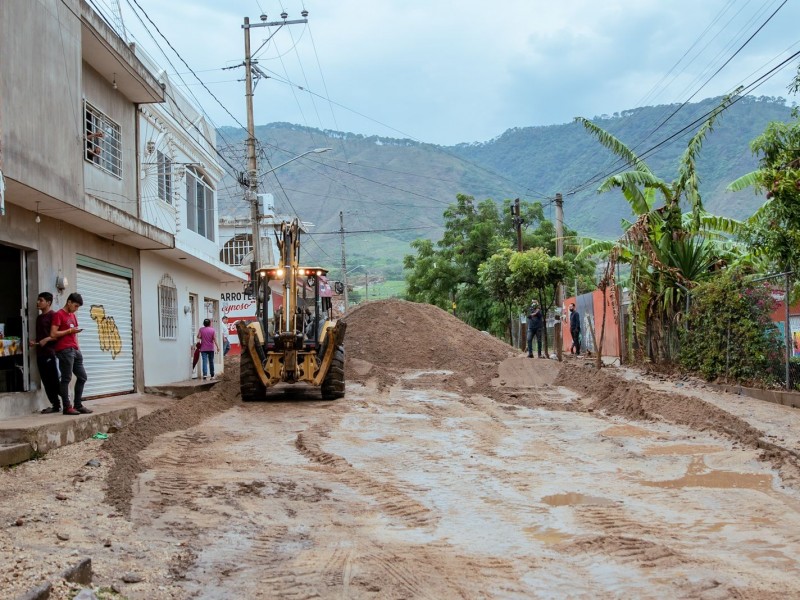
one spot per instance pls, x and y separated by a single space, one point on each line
668 252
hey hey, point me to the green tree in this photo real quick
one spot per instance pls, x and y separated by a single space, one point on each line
774 229
536 274
470 264
431 277
448 272
494 275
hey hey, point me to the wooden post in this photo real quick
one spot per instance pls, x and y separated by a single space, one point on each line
560 288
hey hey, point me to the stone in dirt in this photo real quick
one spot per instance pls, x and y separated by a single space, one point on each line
80 573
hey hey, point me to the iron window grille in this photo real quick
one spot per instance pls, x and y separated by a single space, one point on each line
103 145
235 249
167 308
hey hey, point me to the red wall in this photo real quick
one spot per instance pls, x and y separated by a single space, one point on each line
611 343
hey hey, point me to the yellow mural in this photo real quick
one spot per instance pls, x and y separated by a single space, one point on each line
107 332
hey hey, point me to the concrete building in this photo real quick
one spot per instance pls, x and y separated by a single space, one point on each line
178 180
72 210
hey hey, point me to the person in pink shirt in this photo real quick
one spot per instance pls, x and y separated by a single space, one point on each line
64 330
208 344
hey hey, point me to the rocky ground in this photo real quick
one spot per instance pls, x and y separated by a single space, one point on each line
455 467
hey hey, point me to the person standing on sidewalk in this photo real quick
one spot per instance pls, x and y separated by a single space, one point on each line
208 343
45 355
65 331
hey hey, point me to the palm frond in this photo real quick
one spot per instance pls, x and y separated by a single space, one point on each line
615 145
761 211
744 182
629 182
688 181
718 224
592 247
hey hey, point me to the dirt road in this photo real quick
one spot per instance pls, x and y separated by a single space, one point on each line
482 476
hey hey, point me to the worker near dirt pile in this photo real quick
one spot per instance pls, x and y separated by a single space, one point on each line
535 323
575 329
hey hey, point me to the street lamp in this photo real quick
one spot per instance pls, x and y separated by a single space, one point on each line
255 211
314 151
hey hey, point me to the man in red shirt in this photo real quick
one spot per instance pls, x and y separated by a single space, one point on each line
65 331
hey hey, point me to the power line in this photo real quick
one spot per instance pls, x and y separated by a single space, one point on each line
210 93
697 91
741 94
353 232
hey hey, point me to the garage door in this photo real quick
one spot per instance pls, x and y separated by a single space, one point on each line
107 339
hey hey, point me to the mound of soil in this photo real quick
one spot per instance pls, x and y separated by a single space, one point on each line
635 400
187 412
394 335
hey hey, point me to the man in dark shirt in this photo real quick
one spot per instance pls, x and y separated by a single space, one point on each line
45 355
535 323
575 328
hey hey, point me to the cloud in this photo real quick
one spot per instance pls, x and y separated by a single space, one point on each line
449 71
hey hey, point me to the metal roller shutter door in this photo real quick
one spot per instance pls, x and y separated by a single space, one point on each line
107 339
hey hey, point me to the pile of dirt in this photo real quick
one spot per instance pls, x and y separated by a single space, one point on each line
187 412
394 335
635 400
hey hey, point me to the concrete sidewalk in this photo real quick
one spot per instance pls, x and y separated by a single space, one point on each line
22 438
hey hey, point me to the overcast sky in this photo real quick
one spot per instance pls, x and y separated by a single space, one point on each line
450 71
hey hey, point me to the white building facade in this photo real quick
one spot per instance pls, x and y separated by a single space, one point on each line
179 177
76 213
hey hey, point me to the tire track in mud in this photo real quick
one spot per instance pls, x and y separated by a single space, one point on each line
390 498
172 484
627 550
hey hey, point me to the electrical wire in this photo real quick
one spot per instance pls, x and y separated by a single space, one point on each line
744 91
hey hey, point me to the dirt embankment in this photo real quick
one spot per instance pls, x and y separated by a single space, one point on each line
635 400
395 335
187 412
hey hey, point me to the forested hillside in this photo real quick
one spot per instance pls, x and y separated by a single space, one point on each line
392 191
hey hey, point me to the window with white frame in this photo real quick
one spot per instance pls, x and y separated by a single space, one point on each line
167 308
164 163
236 248
199 203
103 142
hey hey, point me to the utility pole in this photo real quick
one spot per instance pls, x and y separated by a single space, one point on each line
344 262
516 220
559 254
252 164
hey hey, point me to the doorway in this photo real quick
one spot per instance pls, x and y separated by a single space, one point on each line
13 321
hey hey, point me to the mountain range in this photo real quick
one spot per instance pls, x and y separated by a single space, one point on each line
391 191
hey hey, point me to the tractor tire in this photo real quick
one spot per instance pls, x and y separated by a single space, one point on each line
333 384
250 385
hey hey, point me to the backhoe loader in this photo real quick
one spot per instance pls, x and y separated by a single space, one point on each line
301 344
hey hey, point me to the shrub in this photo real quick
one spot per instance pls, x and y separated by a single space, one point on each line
729 332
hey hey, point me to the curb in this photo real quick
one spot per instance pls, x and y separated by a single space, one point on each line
13 454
